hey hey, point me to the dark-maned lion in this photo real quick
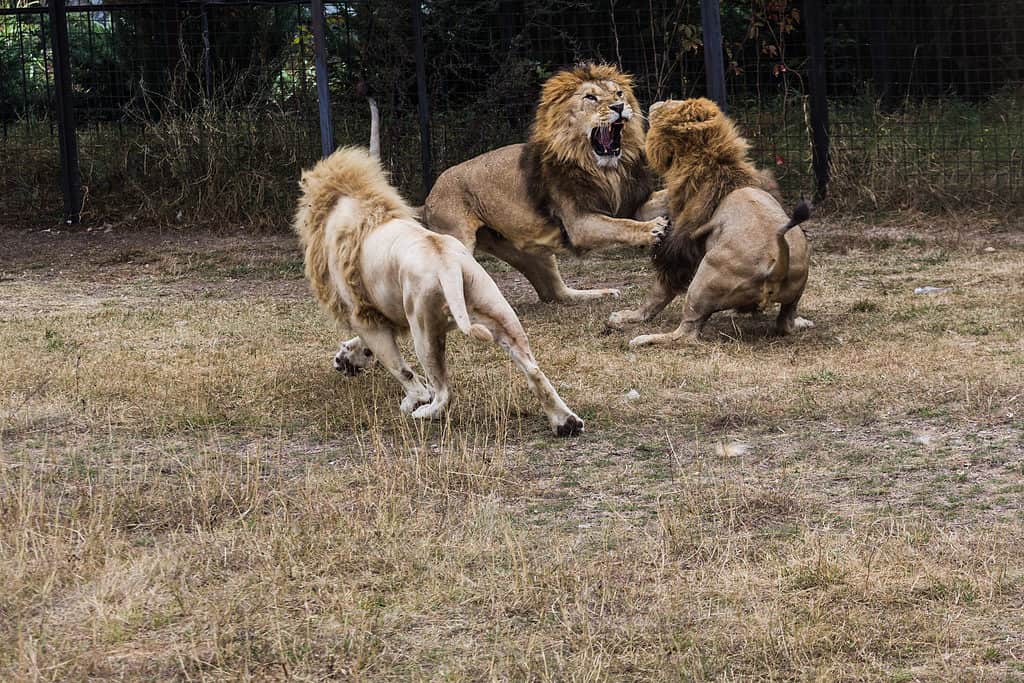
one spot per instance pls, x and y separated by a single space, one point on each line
731 244
580 183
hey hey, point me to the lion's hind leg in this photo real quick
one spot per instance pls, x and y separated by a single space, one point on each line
788 321
497 316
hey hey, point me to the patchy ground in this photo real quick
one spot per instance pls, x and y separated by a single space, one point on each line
187 489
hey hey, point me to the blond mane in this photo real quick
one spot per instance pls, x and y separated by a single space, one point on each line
348 172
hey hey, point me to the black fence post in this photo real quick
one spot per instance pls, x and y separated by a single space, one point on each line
421 96
70 174
714 64
207 70
815 30
323 94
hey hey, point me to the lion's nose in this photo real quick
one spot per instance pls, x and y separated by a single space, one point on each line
617 108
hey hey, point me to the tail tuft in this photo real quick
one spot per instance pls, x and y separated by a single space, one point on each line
801 213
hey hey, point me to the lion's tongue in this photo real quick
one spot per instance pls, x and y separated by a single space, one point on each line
604 136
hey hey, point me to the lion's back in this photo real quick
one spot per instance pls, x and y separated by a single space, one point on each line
348 173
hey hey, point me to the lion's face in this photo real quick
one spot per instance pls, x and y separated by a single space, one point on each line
601 113
586 115
680 128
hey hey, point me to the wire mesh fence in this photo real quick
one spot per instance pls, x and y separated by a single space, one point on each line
193 110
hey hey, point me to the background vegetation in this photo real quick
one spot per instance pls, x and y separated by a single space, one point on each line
926 103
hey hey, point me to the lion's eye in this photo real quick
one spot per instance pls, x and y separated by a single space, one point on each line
618 94
592 98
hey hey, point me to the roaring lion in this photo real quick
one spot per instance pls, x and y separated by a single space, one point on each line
731 244
370 263
580 183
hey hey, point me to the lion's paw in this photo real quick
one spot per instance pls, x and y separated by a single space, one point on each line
429 411
642 340
353 357
571 426
414 400
802 323
620 319
659 228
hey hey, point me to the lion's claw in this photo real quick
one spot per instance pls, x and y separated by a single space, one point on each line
660 228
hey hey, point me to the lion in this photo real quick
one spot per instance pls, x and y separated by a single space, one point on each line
370 263
581 182
731 244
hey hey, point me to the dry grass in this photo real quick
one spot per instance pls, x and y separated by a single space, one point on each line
187 490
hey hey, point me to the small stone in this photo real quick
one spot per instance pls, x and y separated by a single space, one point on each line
633 395
734 449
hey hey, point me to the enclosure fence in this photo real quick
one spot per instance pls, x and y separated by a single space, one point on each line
187 111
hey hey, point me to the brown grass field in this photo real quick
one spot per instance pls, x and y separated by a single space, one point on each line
189 491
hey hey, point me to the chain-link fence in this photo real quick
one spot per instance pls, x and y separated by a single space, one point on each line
202 111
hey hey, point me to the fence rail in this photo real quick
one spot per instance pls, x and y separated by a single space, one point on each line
206 110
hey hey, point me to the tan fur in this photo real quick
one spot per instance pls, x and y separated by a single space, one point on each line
731 244
349 172
370 261
525 203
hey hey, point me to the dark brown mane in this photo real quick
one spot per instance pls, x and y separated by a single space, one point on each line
548 180
556 161
703 168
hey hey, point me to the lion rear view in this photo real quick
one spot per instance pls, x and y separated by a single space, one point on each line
370 263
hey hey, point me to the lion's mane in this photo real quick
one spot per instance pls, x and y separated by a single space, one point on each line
702 158
559 162
348 172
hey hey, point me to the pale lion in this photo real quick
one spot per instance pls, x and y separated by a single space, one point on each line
731 244
370 263
580 183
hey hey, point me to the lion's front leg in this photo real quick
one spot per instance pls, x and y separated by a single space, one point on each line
595 231
660 296
540 269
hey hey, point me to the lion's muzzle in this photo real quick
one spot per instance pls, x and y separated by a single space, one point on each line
606 140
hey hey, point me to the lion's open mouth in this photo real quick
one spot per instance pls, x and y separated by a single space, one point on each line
607 140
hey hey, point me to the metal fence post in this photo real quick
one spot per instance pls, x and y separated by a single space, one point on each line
815 30
714 66
204 20
421 96
70 174
323 94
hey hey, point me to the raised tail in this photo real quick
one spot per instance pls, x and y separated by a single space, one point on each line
455 296
363 90
374 128
801 212
780 268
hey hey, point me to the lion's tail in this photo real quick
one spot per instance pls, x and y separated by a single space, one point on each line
780 268
454 294
350 172
801 213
